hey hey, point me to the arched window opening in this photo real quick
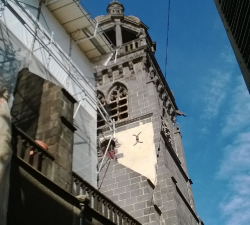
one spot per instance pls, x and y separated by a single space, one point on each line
101 98
111 150
118 102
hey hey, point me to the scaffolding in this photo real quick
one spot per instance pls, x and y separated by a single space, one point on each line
47 47
35 47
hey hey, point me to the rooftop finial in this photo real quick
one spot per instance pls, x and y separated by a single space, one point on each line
115 8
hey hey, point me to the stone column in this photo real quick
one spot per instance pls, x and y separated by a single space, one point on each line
118 32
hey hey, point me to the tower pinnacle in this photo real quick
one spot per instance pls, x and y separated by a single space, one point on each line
115 8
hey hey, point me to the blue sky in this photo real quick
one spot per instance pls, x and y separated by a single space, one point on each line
208 86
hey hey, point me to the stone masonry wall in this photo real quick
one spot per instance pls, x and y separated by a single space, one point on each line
56 130
172 195
45 112
130 190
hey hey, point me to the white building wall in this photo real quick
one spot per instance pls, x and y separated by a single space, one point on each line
58 69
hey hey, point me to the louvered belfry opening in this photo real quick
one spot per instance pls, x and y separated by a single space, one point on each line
118 102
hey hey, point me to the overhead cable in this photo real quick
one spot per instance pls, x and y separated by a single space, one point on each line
166 59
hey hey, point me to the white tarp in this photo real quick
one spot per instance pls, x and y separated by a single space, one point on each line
12 59
53 65
5 151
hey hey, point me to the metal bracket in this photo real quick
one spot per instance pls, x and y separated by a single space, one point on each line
111 138
89 38
108 59
116 53
78 107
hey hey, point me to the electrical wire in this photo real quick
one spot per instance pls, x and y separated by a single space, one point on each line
167 41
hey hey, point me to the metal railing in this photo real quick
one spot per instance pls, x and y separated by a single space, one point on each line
32 153
101 203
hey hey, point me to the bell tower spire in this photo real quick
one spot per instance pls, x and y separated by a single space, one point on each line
115 9
146 172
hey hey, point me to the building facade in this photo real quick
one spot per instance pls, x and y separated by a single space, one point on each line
88 147
144 170
48 162
235 16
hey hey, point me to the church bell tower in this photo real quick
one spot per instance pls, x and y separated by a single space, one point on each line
144 169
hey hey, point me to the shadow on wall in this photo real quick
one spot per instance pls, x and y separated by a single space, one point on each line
27 100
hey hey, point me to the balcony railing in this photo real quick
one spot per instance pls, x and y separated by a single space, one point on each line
133 45
101 203
32 153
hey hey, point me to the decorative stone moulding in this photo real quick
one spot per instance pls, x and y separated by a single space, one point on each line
99 78
131 67
164 96
110 74
120 68
166 132
159 88
151 73
144 63
156 80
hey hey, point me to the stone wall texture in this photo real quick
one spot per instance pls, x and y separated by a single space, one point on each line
167 199
45 112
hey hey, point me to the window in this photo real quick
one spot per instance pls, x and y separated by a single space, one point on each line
118 102
101 98
111 150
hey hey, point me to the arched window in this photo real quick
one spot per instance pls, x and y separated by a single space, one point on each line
118 102
111 150
101 98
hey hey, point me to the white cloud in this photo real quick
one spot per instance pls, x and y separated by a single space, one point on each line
241 184
236 209
216 86
236 157
227 56
215 93
239 217
238 116
234 204
235 166
235 127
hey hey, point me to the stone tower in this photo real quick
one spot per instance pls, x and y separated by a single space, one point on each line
144 170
